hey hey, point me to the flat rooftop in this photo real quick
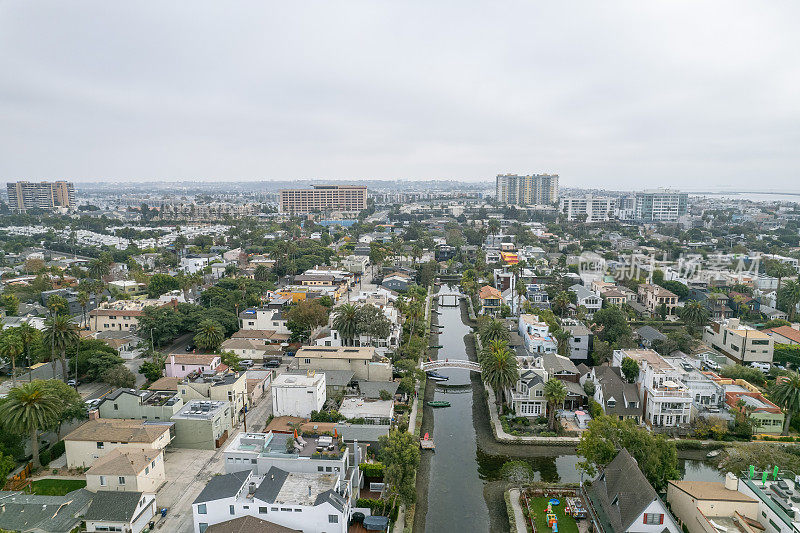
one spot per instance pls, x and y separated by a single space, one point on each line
303 489
361 408
200 410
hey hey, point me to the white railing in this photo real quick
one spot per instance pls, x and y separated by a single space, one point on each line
467 365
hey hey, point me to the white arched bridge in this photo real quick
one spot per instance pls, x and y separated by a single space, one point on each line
451 363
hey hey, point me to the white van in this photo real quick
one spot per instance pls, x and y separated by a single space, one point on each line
764 367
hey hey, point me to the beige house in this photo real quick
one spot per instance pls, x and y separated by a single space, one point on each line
741 344
252 349
122 315
363 361
656 297
139 470
228 387
97 438
699 504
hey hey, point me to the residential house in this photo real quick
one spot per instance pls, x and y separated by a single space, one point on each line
202 424
254 350
581 337
129 470
219 386
43 514
698 505
562 368
397 282
264 318
647 335
121 315
140 404
784 335
182 365
298 395
741 344
656 298
314 503
490 299
120 511
365 363
526 397
621 500
96 438
667 402
537 296
249 524
586 298
765 415
536 335
616 396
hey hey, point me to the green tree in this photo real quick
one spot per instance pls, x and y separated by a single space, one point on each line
57 305
83 299
119 376
29 409
345 321
304 317
99 268
787 395
499 367
10 304
614 324
493 330
70 405
11 348
160 284
555 392
589 388
778 269
695 314
601 352
657 457
373 322
209 335
561 303
231 360
789 294
399 453
563 337
630 369
261 273
60 334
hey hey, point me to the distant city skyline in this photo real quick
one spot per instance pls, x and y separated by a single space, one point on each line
614 95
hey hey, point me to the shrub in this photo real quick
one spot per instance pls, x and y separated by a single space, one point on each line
372 469
45 457
58 449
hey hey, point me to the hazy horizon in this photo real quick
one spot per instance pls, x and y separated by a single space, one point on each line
614 95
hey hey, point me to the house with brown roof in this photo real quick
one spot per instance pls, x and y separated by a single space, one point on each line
784 335
134 470
181 365
97 438
491 300
699 504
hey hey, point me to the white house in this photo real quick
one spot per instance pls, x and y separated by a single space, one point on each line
298 395
526 397
128 470
264 319
585 297
313 503
536 335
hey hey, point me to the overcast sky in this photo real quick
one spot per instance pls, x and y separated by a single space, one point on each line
613 95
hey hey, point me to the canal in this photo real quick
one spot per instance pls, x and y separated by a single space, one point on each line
460 486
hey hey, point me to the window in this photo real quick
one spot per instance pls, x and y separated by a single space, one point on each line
146 470
121 480
102 481
333 519
653 518
116 407
273 509
100 445
262 510
232 509
201 509
540 392
203 526
319 469
298 510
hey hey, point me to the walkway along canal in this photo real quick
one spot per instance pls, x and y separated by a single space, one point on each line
459 486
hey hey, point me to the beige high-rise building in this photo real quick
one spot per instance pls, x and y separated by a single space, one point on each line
347 198
536 189
25 195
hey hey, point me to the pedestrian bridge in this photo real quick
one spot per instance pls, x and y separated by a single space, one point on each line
452 363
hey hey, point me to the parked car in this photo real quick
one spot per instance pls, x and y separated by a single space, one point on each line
190 348
764 367
246 363
73 383
274 363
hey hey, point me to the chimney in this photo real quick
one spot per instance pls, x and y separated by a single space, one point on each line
356 453
731 481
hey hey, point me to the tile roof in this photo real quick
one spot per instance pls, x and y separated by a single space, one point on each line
165 383
27 512
489 293
118 430
786 331
192 359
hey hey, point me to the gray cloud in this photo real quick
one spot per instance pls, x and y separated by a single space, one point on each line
608 94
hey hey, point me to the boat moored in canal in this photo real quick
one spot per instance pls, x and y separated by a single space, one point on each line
439 403
435 376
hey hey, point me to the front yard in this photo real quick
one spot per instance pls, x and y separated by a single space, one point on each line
56 487
538 506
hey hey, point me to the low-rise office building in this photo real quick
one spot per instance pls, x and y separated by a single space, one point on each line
741 344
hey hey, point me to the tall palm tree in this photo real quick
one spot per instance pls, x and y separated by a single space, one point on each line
60 332
209 334
28 334
28 409
345 321
555 392
499 369
791 295
11 348
99 268
561 301
695 314
521 290
562 337
83 299
787 395
494 330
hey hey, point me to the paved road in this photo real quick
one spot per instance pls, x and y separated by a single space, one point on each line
179 344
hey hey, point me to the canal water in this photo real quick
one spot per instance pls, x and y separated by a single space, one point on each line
460 485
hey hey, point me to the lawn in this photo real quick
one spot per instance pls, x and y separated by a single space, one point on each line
566 524
56 487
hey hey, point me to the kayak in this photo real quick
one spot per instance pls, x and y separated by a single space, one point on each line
439 404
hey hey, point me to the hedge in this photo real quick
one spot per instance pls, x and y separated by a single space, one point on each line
372 469
378 507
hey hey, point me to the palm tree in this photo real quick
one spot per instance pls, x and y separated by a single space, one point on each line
695 314
29 409
791 295
787 395
60 332
11 347
521 290
99 268
83 299
209 334
494 330
345 321
779 269
499 368
261 273
27 334
555 392
561 301
564 347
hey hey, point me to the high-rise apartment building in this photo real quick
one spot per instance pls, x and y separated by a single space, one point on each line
345 198
588 208
536 189
660 205
25 195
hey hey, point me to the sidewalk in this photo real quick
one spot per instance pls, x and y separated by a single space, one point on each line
519 518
